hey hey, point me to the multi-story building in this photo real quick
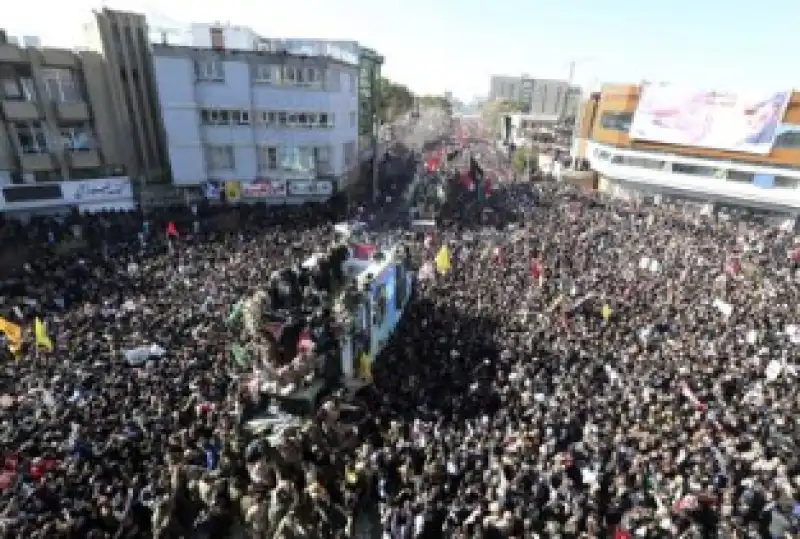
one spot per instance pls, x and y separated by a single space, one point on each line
122 41
659 139
59 146
237 108
540 96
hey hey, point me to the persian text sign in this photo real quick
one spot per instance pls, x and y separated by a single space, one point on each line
706 119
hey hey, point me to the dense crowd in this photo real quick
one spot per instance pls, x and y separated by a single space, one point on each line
597 368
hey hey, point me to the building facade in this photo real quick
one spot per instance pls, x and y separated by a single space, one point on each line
59 146
540 96
267 120
628 164
121 43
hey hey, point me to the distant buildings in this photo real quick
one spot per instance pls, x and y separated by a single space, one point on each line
540 96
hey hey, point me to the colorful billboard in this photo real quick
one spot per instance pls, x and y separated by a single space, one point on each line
706 119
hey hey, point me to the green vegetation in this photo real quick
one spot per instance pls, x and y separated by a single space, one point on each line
525 159
395 99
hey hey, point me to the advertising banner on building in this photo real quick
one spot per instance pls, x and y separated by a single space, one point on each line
319 188
264 188
91 191
707 119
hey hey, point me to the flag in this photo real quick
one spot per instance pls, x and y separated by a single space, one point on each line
365 367
172 230
443 264
363 251
606 312
236 312
240 355
13 333
40 332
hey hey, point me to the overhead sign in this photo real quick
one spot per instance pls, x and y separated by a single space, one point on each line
707 119
310 187
263 188
87 191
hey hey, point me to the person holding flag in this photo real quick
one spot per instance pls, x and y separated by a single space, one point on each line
13 333
40 334
443 263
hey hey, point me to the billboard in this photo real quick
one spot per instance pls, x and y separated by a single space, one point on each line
707 119
263 188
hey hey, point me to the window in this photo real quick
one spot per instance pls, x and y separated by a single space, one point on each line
788 139
10 84
739 176
290 158
638 162
236 116
616 121
217 38
210 69
224 117
77 138
263 73
292 119
306 158
205 117
323 119
244 117
349 154
311 75
219 157
311 119
322 160
288 75
785 183
693 170
351 81
31 137
302 119
353 117
60 86
379 305
268 158
282 119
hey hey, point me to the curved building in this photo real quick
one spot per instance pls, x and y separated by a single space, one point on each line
708 145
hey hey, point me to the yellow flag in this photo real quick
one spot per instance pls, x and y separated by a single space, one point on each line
606 312
42 339
443 260
13 333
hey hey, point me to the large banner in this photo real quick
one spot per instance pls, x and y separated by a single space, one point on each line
707 119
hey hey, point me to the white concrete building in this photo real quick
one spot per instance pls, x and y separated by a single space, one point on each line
233 111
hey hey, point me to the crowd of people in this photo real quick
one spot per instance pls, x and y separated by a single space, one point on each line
596 368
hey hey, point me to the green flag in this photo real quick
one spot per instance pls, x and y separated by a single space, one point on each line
240 355
236 312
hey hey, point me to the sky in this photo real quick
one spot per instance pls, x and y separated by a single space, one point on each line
434 46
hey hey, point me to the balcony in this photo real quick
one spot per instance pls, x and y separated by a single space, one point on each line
12 54
58 58
35 162
83 159
20 110
72 112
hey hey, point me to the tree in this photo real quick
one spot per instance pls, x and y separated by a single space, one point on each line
525 159
394 100
436 102
493 110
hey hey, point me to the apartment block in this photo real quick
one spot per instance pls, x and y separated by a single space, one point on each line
540 96
55 121
255 115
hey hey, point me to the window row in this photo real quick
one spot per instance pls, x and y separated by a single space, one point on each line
213 69
703 171
268 118
34 137
303 159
